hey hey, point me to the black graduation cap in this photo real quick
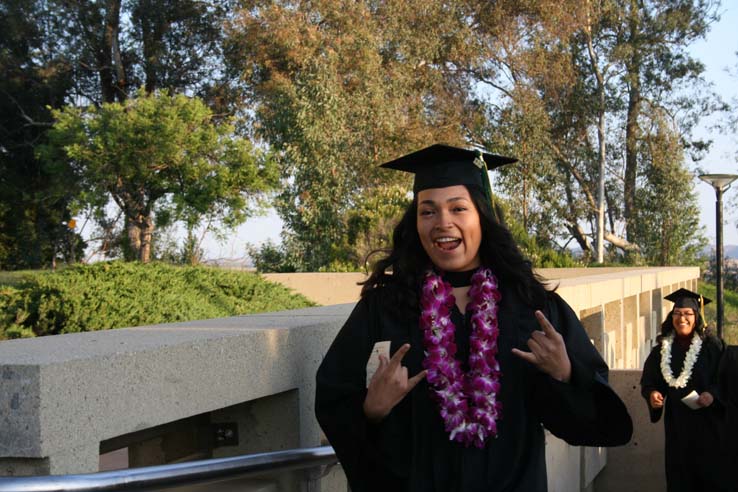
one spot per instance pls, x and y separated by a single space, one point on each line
439 166
683 298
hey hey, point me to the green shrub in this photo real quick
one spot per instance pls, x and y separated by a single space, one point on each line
117 294
730 311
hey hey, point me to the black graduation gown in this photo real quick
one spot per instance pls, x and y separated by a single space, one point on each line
409 449
728 390
695 440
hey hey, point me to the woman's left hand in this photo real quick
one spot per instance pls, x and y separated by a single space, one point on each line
547 351
705 399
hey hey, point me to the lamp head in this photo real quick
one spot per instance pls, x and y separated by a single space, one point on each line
720 182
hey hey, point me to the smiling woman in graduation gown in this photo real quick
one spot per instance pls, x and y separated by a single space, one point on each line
409 448
697 442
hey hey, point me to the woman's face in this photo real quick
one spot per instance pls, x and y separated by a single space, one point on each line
683 320
449 228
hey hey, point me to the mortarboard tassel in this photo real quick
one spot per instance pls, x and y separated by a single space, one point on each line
482 165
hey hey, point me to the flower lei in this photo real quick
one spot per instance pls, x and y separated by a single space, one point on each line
689 361
467 402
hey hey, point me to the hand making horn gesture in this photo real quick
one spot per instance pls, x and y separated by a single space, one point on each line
547 351
389 385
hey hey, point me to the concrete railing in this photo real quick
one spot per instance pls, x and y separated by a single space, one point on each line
151 395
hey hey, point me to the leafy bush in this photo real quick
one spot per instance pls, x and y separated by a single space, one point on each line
272 258
730 311
117 294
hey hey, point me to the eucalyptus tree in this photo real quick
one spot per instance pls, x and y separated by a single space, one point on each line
600 81
337 88
667 223
661 78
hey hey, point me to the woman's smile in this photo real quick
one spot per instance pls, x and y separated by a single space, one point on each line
447 243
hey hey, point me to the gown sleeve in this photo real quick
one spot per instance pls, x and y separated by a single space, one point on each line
652 380
717 348
340 394
728 376
728 382
585 411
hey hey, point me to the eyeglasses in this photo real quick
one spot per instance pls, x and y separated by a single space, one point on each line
679 314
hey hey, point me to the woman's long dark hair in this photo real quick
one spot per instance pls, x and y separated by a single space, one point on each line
667 327
408 260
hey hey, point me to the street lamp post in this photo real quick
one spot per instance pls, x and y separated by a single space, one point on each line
720 182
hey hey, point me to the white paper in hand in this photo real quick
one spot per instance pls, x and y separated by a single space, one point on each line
380 348
691 400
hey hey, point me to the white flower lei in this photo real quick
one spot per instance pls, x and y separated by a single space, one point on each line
689 361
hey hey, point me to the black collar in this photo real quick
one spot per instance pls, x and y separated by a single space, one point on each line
459 279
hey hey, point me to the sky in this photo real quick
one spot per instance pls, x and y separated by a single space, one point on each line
717 52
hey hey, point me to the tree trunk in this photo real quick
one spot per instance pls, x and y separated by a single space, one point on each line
601 127
140 232
601 182
574 228
610 207
134 238
580 237
147 231
525 202
113 27
154 26
621 243
106 53
631 127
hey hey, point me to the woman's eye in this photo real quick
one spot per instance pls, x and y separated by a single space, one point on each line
426 212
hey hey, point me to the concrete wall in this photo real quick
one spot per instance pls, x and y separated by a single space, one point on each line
640 463
159 390
325 289
62 396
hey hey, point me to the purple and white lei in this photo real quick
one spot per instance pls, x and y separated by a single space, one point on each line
467 401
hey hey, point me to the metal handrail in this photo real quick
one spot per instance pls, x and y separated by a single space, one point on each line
163 476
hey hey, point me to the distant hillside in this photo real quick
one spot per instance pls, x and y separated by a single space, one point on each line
729 250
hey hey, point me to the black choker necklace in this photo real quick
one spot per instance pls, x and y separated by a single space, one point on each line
459 279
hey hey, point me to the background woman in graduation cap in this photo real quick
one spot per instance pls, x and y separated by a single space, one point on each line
481 353
680 375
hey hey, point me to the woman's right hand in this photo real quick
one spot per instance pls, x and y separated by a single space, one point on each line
389 385
656 400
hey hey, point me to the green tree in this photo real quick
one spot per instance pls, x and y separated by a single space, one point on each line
159 158
369 230
339 87
589 91
653 41
668 216
34 201
115 47
55 52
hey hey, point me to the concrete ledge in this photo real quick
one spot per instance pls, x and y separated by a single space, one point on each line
62 395
322 288
580 286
